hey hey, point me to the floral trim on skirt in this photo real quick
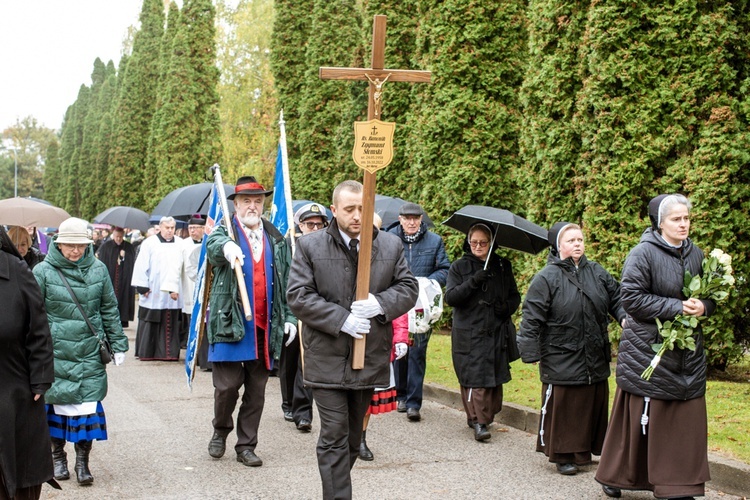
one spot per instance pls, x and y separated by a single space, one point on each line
78 428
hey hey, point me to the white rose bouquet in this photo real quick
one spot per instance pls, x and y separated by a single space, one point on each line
715 284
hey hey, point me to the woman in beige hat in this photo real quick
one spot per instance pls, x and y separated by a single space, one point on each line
75 284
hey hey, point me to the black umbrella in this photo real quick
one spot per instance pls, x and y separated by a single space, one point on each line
387 208
129 217
189 200
509 230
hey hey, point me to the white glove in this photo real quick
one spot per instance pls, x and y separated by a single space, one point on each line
401 350
232 252
291 330
354 325
368 308
119 358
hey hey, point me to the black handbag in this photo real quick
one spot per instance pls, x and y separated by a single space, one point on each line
105 349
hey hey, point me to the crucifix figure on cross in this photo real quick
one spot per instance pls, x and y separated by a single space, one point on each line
377 76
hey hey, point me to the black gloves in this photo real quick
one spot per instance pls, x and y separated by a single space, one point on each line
479 277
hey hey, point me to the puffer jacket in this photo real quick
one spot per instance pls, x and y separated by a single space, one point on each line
426 256
80 376
322 286
652 281
566 329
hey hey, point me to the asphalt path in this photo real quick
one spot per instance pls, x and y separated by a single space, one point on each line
159 432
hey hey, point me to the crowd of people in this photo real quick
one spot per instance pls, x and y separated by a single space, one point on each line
305 324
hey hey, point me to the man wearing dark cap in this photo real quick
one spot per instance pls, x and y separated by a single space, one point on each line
425 253
242 352
296 399
119 257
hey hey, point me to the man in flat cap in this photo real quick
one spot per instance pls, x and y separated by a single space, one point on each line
425 253
242 352
296 399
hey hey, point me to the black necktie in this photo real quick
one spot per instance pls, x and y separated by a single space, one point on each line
353 249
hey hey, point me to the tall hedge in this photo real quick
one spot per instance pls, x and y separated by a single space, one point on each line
136 106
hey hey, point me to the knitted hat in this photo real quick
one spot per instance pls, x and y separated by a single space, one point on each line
73 231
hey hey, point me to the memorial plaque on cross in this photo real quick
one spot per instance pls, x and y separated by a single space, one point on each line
377 75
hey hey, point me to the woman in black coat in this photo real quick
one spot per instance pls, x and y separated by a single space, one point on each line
657 437
26 372
483 293
565 318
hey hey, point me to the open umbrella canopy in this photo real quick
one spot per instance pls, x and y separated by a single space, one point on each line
26 212
129 217
189 200
509 230
387 208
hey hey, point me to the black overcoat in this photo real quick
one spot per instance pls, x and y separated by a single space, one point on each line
26 368
482 327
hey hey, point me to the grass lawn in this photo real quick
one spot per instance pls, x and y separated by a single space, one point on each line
727 396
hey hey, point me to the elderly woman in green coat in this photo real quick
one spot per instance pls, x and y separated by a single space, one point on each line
73 284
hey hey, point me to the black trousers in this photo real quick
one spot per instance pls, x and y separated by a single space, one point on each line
228 377
295 397
341 415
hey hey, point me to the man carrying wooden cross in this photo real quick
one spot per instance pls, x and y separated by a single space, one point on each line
321 292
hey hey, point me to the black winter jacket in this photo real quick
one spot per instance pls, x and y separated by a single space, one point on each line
652 281
321 289
565 328
482 327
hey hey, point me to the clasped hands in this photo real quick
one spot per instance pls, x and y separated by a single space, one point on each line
693 307
357 324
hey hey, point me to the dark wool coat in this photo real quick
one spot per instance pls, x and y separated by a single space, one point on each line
26 368
566 329
322 286
652 281
80 376
482 329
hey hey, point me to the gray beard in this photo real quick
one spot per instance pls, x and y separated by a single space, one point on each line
250 220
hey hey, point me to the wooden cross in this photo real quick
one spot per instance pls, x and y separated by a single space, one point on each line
377 76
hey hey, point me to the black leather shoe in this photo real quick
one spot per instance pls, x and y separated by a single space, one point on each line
413 414
304 425
401 406
567 469
611 491
288 416
248 458
364 451
481 433
217 446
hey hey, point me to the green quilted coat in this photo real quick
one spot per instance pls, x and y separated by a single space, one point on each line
80 376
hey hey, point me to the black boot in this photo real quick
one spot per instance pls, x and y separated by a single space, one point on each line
60 459
364 451
83 448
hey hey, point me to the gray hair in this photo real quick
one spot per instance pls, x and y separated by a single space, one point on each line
166 218
669 202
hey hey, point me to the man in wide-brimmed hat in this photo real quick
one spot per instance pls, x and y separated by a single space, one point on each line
242 352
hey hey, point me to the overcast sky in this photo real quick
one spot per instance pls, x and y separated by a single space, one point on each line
48 48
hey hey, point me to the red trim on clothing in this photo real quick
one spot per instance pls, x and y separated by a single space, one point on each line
248 185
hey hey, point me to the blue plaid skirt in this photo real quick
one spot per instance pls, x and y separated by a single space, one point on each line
78 428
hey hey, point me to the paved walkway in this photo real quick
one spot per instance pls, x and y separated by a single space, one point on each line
159 431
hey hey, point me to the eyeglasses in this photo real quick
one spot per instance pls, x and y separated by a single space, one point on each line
480 244
80 248
315 225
